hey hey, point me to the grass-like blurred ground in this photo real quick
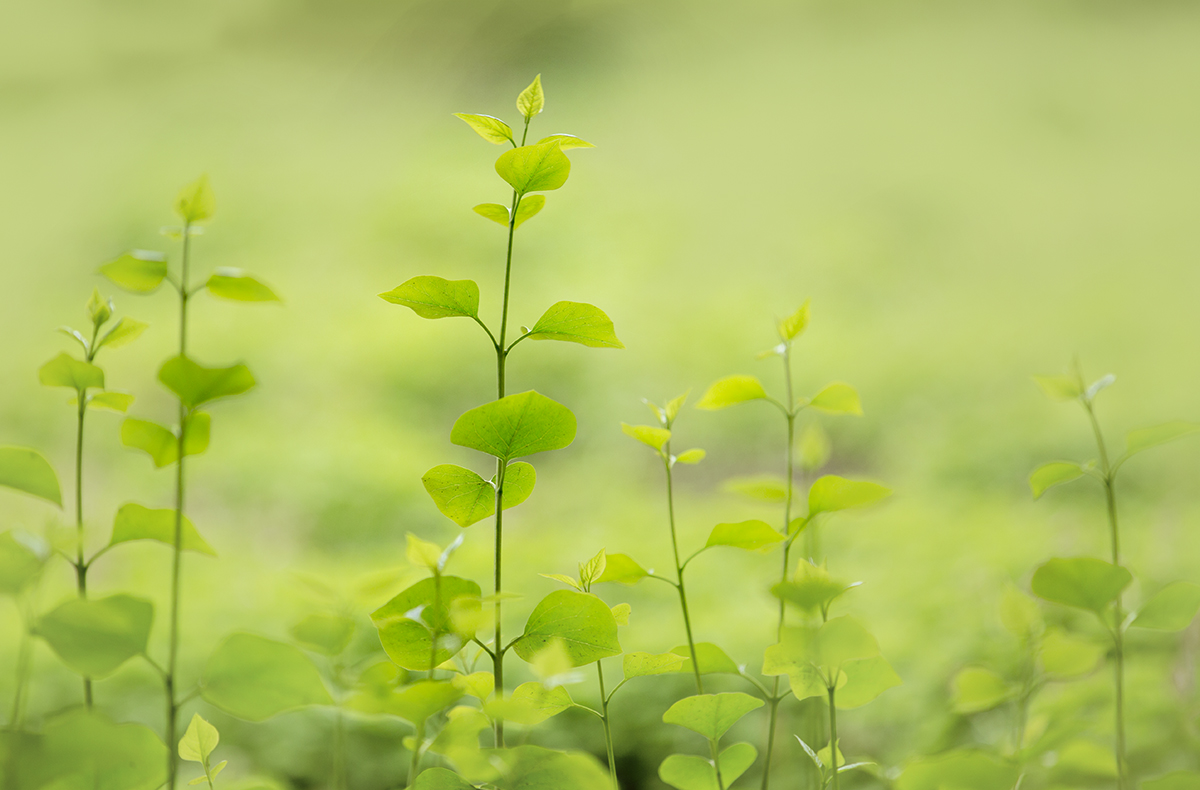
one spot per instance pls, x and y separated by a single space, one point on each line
969 192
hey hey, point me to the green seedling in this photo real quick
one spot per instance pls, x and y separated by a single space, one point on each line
197 746
1094 585
512 426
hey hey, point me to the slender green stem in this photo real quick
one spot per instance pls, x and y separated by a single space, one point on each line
24 660
414 764
169 679
715 749
679 585
433 640
833 739
339 750
81 567
608 740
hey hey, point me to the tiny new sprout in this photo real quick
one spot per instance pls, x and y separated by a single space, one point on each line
87 380
197 746
1098 586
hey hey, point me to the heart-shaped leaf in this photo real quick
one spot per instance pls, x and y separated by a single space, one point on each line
1082 582
532 100
255 678
66 371
752 535
491 129
238 286
711 715
515 426
837 398
434 297
690 772
466 498
732 390
96 636
534 168
530 704
584 624
1053 474
406 623
134 522
831 493
137 271
26 470
196 385
196 201
576 322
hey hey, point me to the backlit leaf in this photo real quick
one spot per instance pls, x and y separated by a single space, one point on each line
407 621
255 678
576 322
534 168
711 715
691 772
1145 438
493 211
83 750
712 659
1082 582
732 390
1060 387
1065 656
528 208
532 100
1052 474
137 271
196 385
794 325
693 456
491 129
113 401
811 589
764 489
752 535
96 636
20 566
134 522
66 371
435 297
161 444
422 699
530 704
636 665
567 141
647 434
865 679
515 426
328 634
535 768
422 553
622 569
199 741
466 498
976 689
961 769
837 398
582 621
621 613
441 779
196 201
235 284
26 470
1170 609
832 493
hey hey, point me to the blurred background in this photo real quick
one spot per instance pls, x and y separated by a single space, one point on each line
969 193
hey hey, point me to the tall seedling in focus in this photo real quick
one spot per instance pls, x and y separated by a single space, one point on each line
1095 585
194 385
512 426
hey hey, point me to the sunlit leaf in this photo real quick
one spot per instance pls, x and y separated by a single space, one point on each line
66 371
406 622
1082 582
199 741
126 330
1052 474
238 286
622 569
963 769
196 201
532 100
491 129
594 568
111 400
422 553
576 322
712 659
255 678
435 297
161 444
832 493
328 634
96 636
636 665
567 141
1065 656
195 384
530 704
837 398
84 750
515 426
730 391
693 456
466 498
422 699
535 768
477 684
1170 609
1081 757
976 689
764 489
865 679
26 470
647 434
691 772
794 325
134 522
752 535
583 622
493 211
1145 438
621 613
1060 387
534 168
811 589
20 565
528 208
137 271
711 715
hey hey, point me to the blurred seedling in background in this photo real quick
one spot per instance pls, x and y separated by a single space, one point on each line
1094 585
197 746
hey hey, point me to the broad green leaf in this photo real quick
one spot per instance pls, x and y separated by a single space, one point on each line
865 679
976 689
582 621
832 493
422 699
255 678
1082 582
712 659
423 553
732 390
493 211
328 634
199 741
1052 474
530 704
161 444
515 426
837 398
647 434
528 208
1176 780
576 322
196 201
567 141
111 400
1145 438
195 384
794 325
811 589
532 100
961 769
1065 656
20 566
1060 387
534 168
477 684
1170 609
459 742
434 297
636 665
843 639
1081 757
235 284
691 772
491 129
752 535
137 271
406 623
764 489
66 371
553 665
441 779
96 636
622 569
26 470
815 447
535 768
621 613
711 715
693 456
466 498
84 750
134 522
1020 614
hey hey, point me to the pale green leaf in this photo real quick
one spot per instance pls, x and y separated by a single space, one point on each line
134 522
593 569
530 704
961 769
161 444
562 577
1065 656
532 100
196 201
712 659
837 398
791 327
98 308
489 128
238 286
535 768
576 322
328 634
865 679
647 434
832 493
66 371
20 565
84 750
583 622
195 384
406 622
690 772
534 168
567 141
764 489
199 741
422 699
1052 474
435 297
621 613
255 678
441 779
126 330
622 569
811 589
1081 757
636 665
493 211
528 208
1061 387
1082 582
422 553
1176 780
515 426
477 684
1145 438
976 689
711 715
137 271
1170 609
466 498
96 636
111 400
693 456
26 470
752 535
730 391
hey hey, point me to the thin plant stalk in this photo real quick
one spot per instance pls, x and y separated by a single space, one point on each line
833 739
81 567
24 663
608 740
414 763
679 583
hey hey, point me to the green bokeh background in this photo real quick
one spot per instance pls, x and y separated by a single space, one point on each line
969 193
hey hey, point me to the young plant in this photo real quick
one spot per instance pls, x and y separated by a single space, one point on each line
82 376
827 495
197 746
1094 585
512 426
194 386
